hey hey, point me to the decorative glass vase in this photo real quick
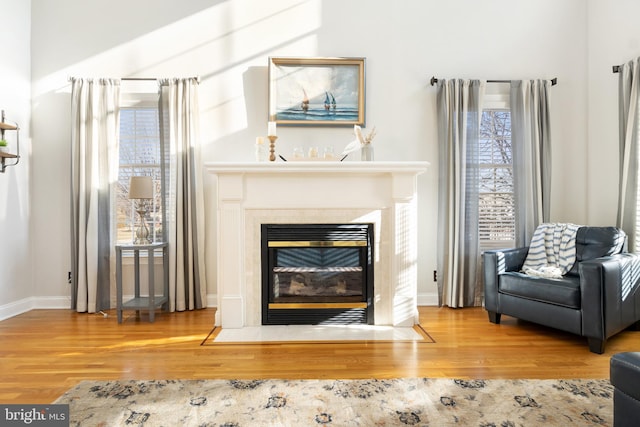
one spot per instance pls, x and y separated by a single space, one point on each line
366 153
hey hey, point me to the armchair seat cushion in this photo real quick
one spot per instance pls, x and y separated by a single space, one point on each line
563 292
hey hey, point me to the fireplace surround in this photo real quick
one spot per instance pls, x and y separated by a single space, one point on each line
248 195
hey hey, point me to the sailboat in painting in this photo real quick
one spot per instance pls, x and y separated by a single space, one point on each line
329 101
305 102
318 108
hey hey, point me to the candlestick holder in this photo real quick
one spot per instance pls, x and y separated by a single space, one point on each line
272 147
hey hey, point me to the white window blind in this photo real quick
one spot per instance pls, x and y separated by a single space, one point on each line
140 154
496 213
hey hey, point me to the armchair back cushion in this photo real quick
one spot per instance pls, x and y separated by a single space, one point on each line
596 242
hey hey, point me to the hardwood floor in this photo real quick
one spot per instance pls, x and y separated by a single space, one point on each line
45 352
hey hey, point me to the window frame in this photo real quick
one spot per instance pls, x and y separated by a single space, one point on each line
139 95
497 101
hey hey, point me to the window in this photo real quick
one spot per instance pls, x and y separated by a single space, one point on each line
496 199
140 154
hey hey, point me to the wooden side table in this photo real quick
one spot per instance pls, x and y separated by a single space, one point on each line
150 302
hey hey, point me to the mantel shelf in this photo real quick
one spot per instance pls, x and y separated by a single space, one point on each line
347 168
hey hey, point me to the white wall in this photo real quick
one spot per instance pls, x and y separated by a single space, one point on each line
227 43
16 264
614 39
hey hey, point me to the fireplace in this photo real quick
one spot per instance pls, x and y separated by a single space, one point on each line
317 274
250 194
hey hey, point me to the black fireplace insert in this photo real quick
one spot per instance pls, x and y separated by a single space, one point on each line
317 274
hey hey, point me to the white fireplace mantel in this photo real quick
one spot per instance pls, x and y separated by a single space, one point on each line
251 194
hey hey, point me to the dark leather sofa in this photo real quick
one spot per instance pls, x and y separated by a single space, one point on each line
596 299
625 377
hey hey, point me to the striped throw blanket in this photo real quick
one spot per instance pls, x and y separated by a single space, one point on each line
552 252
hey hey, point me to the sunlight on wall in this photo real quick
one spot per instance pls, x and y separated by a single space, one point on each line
220 44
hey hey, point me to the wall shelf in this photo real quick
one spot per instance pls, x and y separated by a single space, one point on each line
7 126
4 126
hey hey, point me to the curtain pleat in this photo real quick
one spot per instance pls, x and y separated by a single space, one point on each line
531 144
94 167
459 112
185 196
629 120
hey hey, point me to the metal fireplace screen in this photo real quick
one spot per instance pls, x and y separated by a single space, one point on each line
317 273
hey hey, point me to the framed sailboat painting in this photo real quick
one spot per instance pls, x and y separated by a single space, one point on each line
316 91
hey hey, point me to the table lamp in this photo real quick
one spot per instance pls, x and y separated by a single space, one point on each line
141 189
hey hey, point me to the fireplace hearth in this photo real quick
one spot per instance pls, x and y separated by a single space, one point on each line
317 274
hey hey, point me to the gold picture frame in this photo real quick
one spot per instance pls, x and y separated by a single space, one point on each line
317 91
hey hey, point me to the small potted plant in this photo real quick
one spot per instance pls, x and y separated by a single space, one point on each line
3 145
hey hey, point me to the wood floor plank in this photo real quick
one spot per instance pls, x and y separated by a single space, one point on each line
45 352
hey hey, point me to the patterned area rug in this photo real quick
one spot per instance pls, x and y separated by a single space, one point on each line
394 402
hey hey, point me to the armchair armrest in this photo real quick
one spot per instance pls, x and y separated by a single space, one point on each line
496 262
625 377
610 294
510 259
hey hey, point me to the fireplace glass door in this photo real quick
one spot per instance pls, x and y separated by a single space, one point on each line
317 273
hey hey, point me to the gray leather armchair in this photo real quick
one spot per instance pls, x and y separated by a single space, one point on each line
598 298
625 378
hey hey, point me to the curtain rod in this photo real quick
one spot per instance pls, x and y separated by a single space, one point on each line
554 81
147 78
155 78
616 68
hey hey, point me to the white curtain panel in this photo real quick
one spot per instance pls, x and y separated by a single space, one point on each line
184 193
94 169
629 120
531 144
459 112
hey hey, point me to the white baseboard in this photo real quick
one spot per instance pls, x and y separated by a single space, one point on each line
428 299
32 303
17 307
53 303
212 300
63 303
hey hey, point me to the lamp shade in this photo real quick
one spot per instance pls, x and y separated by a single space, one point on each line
141 187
